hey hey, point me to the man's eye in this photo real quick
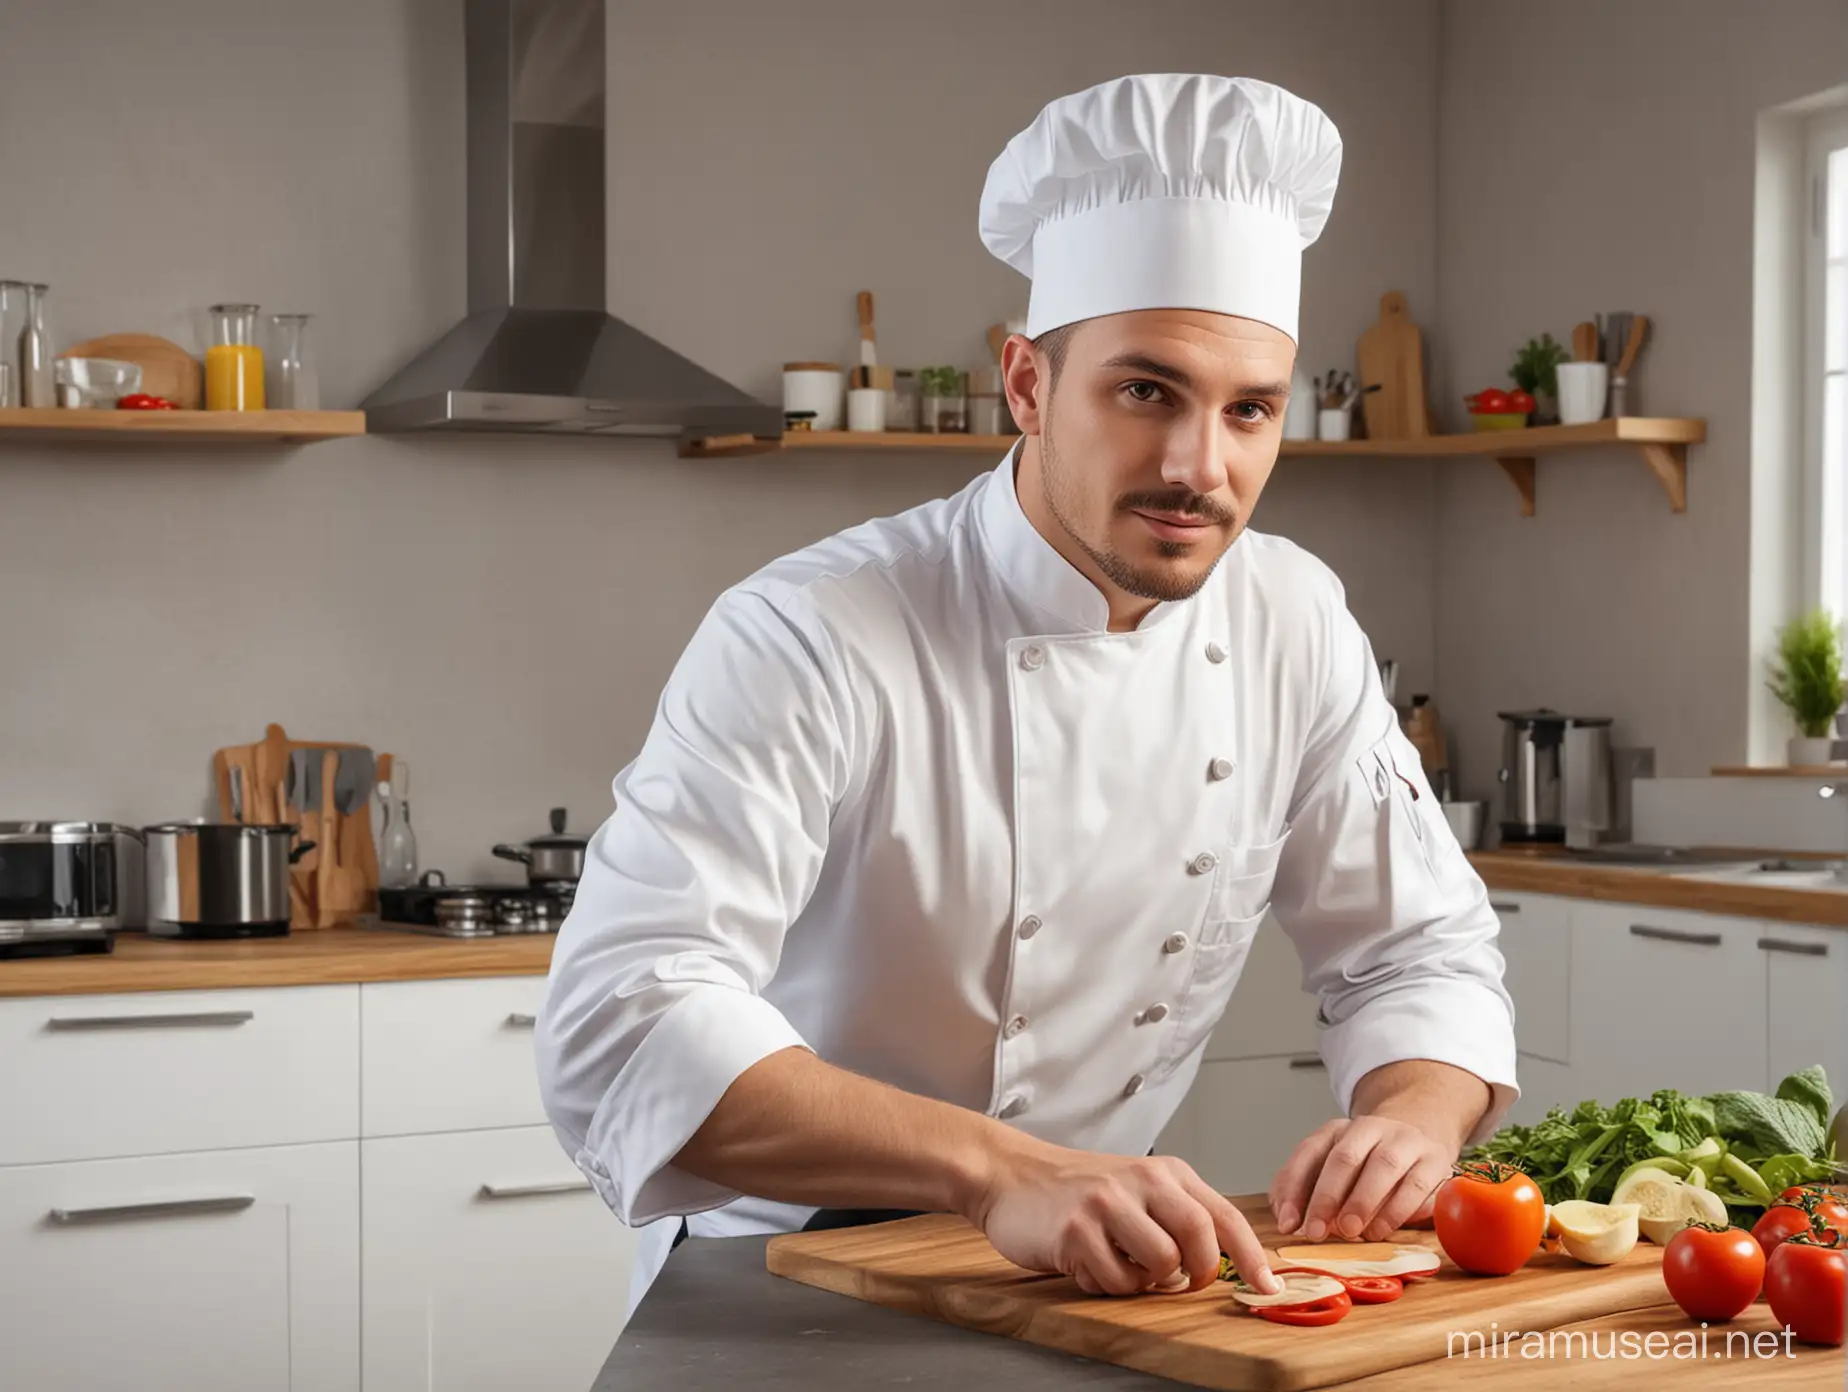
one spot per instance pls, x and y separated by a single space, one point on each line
1263 410
1144 391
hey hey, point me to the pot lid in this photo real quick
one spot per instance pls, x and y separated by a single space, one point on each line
560 839
62 829
1547 716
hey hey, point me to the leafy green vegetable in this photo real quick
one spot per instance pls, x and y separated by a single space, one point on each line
1745 1146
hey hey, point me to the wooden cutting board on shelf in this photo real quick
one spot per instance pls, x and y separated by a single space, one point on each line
942 1267
1391 355
166 368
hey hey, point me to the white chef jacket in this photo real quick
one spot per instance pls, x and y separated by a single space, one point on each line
907 802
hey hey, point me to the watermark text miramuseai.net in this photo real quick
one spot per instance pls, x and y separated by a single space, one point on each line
1690 1345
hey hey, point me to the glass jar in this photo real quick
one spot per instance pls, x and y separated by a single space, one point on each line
290 380
942 409
988 413
38 384
12 316
902 403
233 362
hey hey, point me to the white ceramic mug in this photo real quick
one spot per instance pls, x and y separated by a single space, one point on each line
866 408
1582 388
1333 424
815 387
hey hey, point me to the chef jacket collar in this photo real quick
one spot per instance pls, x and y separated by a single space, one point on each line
1037 572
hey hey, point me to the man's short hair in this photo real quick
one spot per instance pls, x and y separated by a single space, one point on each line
1053 344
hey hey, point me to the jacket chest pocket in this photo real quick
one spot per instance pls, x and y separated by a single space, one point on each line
1241 890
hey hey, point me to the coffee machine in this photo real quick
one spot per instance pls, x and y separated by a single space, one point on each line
1556 779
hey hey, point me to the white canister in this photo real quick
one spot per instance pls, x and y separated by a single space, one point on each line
1299 415
866 408
1333 424
1582 388
817 387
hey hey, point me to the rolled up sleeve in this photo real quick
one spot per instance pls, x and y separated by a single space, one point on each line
1390 921
654 1004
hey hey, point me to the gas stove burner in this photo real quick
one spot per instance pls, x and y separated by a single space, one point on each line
474 911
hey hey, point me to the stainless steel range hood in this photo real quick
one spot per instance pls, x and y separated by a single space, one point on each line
539 351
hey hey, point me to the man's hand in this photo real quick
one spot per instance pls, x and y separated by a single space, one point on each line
1116 1224
1367 1177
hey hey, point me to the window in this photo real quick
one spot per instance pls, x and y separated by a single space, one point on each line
1826 374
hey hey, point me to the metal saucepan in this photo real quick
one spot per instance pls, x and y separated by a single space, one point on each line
219 879
550 859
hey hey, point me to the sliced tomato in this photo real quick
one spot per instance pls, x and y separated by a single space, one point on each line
1372 1290
1327 1310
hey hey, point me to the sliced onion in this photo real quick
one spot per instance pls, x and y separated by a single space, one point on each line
1405 1261
1299 1288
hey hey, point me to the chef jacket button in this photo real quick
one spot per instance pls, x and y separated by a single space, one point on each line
1215 653
1133 1086
1015 1026
1219 769
1028 926
1154 1014
1177 942
1203 863
1032 657
1013 1107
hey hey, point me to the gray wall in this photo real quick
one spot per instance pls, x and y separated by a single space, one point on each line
1594 157
503 612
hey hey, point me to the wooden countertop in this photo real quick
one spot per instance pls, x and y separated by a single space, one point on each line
310 957
1539 872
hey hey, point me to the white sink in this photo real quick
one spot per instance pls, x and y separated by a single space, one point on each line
1772 876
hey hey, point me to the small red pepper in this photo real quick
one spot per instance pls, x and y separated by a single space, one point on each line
142 401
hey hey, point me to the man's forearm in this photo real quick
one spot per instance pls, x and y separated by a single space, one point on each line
1441 1100
797 1130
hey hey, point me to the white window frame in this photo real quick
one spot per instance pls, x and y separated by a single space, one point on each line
1825 491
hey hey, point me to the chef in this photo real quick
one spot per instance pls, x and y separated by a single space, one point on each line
952 832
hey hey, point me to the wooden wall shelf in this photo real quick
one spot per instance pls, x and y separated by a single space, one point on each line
178 427
1662 442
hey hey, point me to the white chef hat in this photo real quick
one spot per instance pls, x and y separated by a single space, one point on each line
1164 191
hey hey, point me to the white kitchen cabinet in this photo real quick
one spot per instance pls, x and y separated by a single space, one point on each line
1666 999
1544 1084
1536 946
1806 1000
489 1263
232 1271
449 1055
1249 1114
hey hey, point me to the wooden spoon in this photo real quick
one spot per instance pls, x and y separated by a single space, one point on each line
1585 343
997 336
1639 327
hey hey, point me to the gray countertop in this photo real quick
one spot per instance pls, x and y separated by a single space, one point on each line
715 1319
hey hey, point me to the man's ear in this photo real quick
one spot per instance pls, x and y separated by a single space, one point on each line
1025 377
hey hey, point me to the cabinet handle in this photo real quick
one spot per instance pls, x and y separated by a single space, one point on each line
1802 949
1643 930
1307 1061
522 1191
108 1213
1504 908
517 1020
108 1022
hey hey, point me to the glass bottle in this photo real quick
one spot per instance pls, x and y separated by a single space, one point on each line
12 312
37 379
290 381
233 362
398 853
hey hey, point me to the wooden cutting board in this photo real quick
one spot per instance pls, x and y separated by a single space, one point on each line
942 1267
166 368
1391 353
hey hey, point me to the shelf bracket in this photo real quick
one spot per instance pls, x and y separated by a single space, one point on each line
1521 470
1670 463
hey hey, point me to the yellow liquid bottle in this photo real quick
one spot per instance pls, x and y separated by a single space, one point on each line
234 363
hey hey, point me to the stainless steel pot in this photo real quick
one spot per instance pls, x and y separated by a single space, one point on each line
220 879
1554 781
554 859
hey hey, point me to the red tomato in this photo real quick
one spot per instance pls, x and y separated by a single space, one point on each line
1805 1282
1365 1290
1490 1218
1327 1310
1781 1220
1713 1272
1493 402
1522 403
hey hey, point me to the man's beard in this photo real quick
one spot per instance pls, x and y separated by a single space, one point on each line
1162 586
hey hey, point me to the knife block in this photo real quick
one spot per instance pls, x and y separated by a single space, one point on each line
324 890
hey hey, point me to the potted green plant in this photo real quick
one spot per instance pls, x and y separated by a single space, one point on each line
1535 372
1806 678
942 400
